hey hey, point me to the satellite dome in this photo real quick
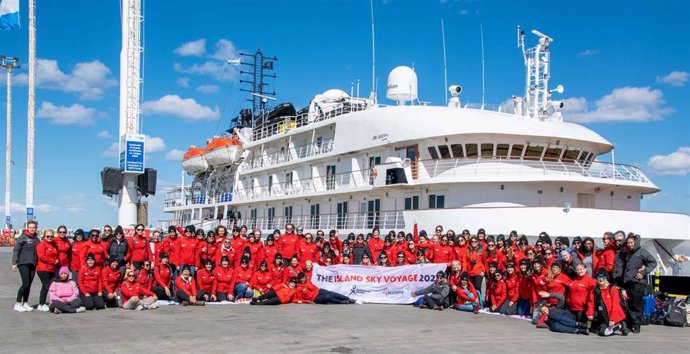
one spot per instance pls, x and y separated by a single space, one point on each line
335 94
402 85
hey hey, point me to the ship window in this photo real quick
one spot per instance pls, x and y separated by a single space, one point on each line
457 150
487 150
471 150
445 153
412 203
534 152
502 150
584 156
516 151
437 201
433 153
553 153
570 155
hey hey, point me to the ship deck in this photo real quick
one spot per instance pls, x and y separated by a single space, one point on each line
297 328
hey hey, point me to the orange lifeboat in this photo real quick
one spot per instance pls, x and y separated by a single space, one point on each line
222 151
193 160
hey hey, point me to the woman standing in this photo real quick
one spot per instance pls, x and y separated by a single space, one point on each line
64 294
24 259
75 255
48 262
63 245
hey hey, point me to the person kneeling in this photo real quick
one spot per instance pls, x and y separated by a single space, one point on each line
280 294
135 296
468 299
557 318
186 292
308 293
608 306
435 295
64 295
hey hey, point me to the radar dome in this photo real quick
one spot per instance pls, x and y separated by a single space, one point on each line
335 94
402 85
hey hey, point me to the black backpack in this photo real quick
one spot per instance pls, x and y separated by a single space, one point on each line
676 314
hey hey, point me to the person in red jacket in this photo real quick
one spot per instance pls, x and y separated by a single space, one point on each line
607 255
48 263
261 279
139 247
499 293
224 283
307 249
580 293
91 284
334 240
187 251
308 293
237 240
268 251
512 282
162 275
95 247
606 304
134 296
494 255
243 277
111 282
277 269
443 253
524 289
145 275
291 270
280 294
475 263
207 250
64 247
375 242
205 277
226 250
538 280
255 245
468 298
171 247
185 289
289 243
75 257
556 282
156 247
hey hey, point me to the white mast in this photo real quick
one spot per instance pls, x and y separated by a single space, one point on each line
31 109
373 55
445 67
8 64
537 99
130 84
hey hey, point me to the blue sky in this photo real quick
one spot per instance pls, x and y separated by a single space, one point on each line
624 66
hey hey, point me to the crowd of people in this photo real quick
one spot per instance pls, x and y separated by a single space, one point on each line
567 287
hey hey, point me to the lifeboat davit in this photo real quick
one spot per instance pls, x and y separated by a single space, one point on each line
193 161
222 151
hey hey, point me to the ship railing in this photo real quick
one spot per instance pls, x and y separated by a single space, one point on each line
352 179
508 166
298 152
345 221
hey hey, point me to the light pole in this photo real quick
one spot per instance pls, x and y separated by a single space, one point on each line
8 64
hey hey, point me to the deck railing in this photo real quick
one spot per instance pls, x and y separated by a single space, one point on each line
298 152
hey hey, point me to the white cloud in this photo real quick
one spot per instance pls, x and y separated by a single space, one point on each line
625 104
89 80
40 208
676 163
225 50
219 71
195 48
186 108
207 88
588 52
675 78
75 114
154 144
183 82
104 134
174 155
112 151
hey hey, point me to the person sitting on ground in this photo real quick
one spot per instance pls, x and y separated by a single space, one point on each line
91 284
162 275
64 294
111 282
557 318
512 281
499 293
261 279
185 289
134 295
607 304
243 275
436 294
280 294
224 283
205 278
468 298
308 293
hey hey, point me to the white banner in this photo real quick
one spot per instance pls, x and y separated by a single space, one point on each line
382 285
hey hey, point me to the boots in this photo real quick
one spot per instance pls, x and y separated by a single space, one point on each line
584 331
200 303
582 325
624 328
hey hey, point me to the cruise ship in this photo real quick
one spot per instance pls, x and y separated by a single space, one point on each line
350 163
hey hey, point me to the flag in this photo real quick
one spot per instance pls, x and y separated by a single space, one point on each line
268 65
9 14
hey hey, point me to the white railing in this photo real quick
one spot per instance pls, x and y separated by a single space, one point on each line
297 152
505 166
386 220
345 180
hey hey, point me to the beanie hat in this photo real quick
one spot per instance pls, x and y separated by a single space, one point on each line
500 238
262 264
510 265
244 260
538 260
464 276
90 256
208 261
602 273
524 262
546 239
557 264
301 275
63 270
112 259
490 239
565 241
513 233
293 280
224 259
577 239
163 255
278 256
440 274
481 231
189 228
523 240
118 230
493 264
79 232
270 238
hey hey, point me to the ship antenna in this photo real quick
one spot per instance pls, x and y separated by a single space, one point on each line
481 35
373 54
445 67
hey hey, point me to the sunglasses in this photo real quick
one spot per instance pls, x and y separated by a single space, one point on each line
548 253
438 230
147 264
62 232
140 229
48 236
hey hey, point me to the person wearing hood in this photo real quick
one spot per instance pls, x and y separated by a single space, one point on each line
242 278
308 293
186 290
631 268
24 260
436 294
48 263
282 293
135 296
91 284
119 249
162 275
606 304
75 255
111 282
64 294
63 246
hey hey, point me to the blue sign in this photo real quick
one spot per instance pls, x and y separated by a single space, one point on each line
29 213
132 154
8 218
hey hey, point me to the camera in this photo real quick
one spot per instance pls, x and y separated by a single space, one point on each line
455 90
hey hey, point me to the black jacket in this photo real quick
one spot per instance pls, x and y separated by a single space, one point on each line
25 249
628 262
359 252
119 251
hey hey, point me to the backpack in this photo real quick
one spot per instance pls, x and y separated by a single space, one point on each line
677 312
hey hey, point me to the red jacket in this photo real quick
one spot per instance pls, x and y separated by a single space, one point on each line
463 296
499 293
376 245
189 286
243 275
64 248
474 262
237 243
140 249
145 279
205 280
558 285
443 254
268 254
48 257
513 287
171 246
75 261
538 284
157 249
454 279
276 274
612 303
97 248
335 243
497 257
285 294
580 292
305 293
233 259
205 251
460 253
111 279
605 258
187 251
162 274
128 290
90 280
260 281
525 287
290 245
308 251
255 250
290 272
224 280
